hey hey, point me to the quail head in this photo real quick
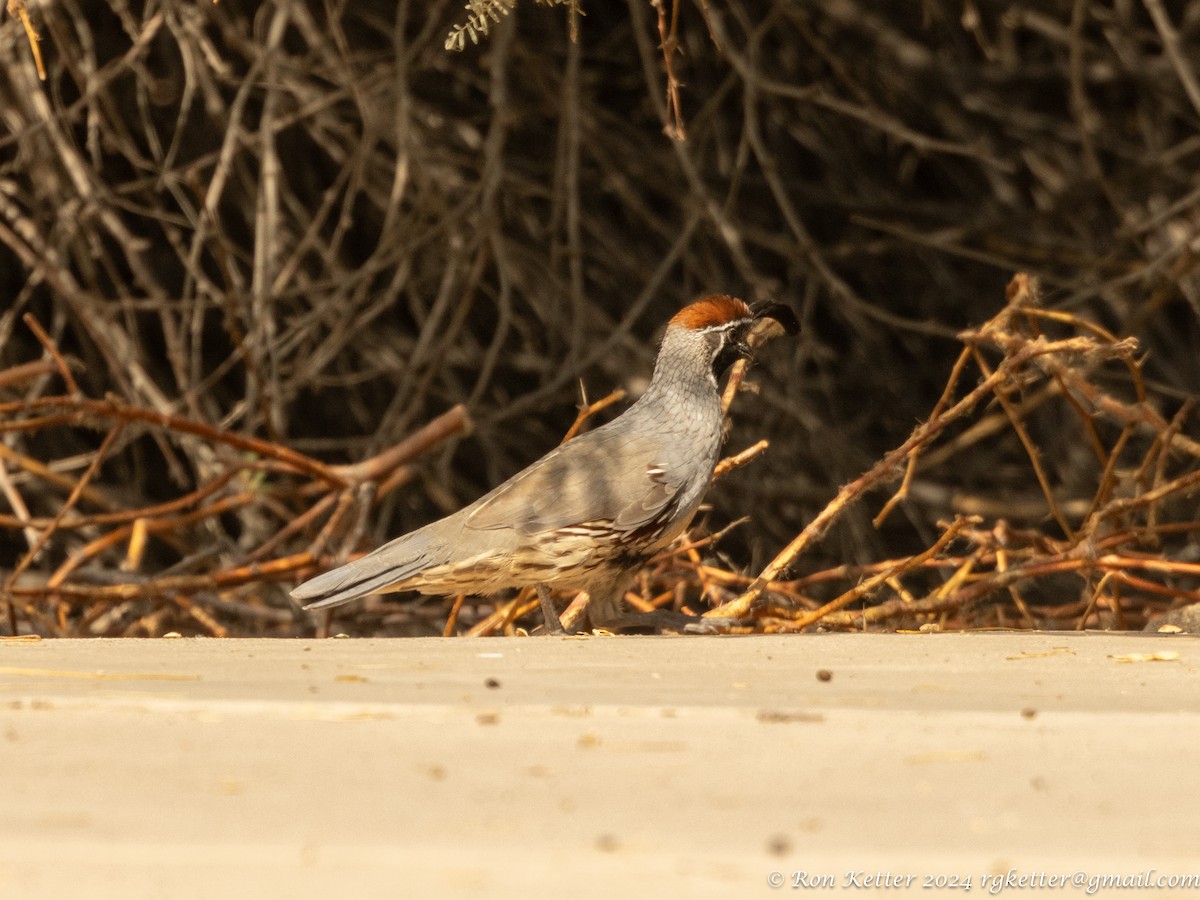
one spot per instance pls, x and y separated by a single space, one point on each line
591 512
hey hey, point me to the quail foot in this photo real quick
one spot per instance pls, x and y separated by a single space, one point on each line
591 512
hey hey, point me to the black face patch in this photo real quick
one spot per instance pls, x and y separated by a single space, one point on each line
732 348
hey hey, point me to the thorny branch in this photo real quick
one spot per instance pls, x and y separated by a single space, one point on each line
261 482
1029 359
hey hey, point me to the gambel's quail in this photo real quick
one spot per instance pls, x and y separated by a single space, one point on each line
590 512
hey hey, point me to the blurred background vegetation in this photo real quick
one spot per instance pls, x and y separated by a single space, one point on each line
313 225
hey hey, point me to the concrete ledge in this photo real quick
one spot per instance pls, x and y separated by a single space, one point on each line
596 767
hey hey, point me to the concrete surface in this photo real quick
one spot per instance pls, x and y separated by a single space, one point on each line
599 767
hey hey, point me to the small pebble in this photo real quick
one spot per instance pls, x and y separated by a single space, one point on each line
779 845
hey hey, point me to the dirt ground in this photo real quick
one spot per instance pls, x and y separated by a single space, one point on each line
597 767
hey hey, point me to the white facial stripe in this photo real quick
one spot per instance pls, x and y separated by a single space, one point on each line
723 327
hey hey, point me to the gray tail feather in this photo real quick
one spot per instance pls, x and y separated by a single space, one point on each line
336 591
381 569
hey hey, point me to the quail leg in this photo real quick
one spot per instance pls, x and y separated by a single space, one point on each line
549 614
